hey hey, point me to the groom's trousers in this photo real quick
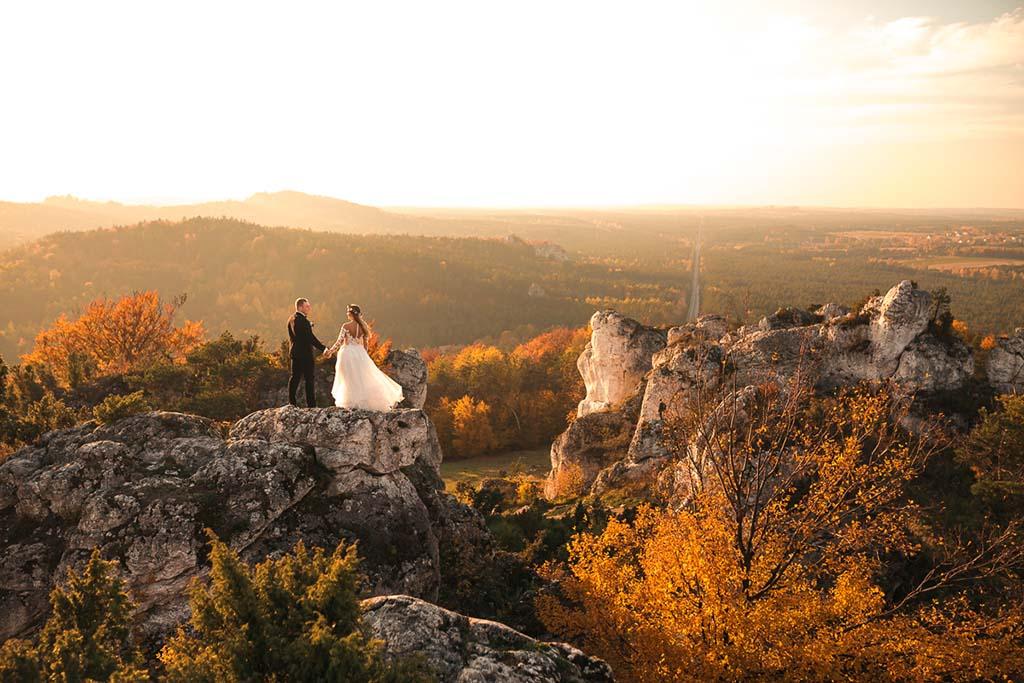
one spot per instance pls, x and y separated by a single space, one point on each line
302 371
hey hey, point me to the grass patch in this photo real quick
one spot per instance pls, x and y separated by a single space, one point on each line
954 263
534 464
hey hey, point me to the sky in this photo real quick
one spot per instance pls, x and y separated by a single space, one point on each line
907 103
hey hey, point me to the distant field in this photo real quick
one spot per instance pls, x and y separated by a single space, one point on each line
954 263
878 234
535 464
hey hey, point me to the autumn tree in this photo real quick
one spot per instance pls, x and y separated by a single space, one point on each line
378 347
774 559
471 426
528 391
114 335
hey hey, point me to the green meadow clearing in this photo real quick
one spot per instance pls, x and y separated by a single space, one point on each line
534 464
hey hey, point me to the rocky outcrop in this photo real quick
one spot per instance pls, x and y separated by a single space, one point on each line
590 444
1006 364
144 489
613 365
458 648
890 338
615 360
408 369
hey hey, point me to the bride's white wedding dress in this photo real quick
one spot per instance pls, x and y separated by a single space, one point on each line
358 382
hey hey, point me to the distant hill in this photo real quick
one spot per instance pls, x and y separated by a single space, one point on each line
24 222
244 278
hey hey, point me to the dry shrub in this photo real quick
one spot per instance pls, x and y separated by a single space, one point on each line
566 482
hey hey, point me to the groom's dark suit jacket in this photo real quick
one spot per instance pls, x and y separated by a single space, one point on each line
303 341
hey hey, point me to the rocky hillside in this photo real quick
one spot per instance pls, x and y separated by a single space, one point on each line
144 490
637 378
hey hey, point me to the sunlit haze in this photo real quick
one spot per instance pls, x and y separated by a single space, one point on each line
899 103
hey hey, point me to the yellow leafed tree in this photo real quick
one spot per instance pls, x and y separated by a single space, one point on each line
772 565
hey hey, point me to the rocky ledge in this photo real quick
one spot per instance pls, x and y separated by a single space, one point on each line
459 648
144 489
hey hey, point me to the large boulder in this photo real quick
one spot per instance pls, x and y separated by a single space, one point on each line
408 369
931 364
615 360
144 489
896 320
1006 364
461 649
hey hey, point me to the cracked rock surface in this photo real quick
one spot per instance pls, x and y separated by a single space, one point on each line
144 489
889 338
465 650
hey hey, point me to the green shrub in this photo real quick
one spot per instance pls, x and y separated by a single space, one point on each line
295 618
994 450
114 408
507 534
87 636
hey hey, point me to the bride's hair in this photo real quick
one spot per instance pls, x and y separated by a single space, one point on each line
354 311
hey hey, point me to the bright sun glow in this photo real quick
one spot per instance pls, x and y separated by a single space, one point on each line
524 103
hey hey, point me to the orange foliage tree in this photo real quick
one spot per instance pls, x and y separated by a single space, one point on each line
114 335
771 562
528 391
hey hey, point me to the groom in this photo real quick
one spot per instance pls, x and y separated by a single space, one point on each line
300 334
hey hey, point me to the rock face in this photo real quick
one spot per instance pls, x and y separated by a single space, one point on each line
613 365
1006 364
890 338
614 362
591 443
462 649
144 489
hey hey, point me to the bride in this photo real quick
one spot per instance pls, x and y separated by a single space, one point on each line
358 382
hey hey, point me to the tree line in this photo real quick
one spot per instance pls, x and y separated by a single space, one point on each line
127 355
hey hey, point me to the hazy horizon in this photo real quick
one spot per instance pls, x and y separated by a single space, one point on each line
653 206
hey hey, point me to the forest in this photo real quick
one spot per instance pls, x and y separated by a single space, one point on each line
502 277
421 291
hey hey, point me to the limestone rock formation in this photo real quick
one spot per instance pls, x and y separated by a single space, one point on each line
1006 364
408 369
896 320
615 360
144 489
890 338
613 366
458 648
590 443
